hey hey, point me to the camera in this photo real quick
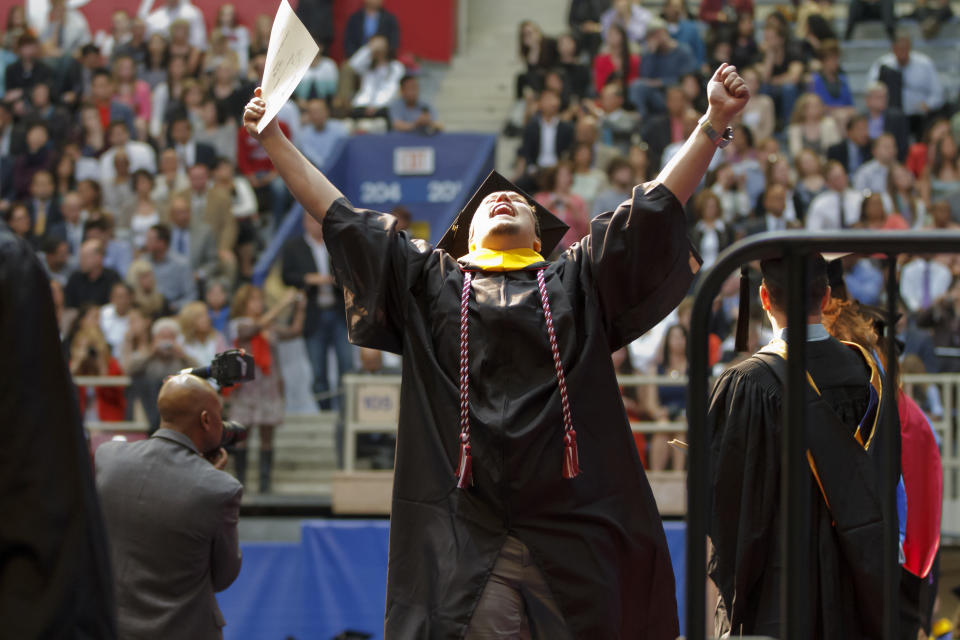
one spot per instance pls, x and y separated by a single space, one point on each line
228 368
233 433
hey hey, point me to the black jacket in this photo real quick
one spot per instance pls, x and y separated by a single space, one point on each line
297 262
530 146
353 38
841 153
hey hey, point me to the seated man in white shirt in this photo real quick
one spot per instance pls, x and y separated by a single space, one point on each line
115 317
824 213
409 113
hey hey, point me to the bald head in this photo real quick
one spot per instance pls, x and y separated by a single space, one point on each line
191 406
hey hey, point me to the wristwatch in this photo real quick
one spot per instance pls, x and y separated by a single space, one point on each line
720 140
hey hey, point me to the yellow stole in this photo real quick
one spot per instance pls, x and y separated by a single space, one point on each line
509 260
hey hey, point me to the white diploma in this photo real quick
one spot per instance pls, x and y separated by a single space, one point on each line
290 53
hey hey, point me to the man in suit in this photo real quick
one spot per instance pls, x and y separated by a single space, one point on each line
545 139
172 272
189 151
212 205
882 118
306 265
171 516
854 151
45 213
370 21
70 227
27 71
770 214
193 240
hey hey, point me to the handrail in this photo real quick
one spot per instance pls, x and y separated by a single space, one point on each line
793 246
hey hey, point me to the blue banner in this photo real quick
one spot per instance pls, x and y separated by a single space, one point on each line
336 579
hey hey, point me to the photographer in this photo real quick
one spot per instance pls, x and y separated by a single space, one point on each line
171 516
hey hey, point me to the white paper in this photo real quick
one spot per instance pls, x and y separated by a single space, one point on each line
290 53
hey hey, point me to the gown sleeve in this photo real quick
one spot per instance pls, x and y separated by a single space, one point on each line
640 258
744 455
375 264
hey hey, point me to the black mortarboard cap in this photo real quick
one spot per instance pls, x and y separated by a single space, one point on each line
774 271
456 240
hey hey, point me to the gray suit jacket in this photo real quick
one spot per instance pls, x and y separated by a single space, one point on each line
203 255
172 525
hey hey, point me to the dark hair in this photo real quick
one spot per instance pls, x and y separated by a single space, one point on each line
100 224
141 173
407 78
623 54
816 285
51 243
19 204
856 118
89 48
163 233
27 37
101 72
616 164
938 160
665 353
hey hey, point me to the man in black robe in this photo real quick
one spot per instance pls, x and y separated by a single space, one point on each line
54 567
744 420
509 391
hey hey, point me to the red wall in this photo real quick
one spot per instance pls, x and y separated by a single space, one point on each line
427 27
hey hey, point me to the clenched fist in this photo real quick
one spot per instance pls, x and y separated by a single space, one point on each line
727 94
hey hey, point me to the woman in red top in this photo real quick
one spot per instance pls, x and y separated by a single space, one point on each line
614 58
90 356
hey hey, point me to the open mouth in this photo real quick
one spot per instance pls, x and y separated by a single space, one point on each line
502 209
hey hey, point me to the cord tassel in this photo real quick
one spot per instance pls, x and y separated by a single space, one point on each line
571 457
465 466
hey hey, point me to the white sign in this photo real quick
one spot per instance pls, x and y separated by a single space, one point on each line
414 161
290 53
377 403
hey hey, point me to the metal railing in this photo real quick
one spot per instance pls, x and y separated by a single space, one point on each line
793 247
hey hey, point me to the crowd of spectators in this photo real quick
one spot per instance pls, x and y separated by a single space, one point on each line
605 105
122 163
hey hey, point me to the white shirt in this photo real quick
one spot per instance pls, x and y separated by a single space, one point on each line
114 328
548 143
775 223
710 242
871 176
824 211
921 279
921 84
377 86
325 297
140 154
244 199
160 20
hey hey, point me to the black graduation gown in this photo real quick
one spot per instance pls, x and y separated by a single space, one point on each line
54 568
846 570
597 538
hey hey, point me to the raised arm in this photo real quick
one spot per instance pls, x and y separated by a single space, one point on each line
727 95
307 184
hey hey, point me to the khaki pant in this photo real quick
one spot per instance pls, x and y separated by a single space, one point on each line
516 603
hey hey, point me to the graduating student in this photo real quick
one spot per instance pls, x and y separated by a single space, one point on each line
844 436
519 503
